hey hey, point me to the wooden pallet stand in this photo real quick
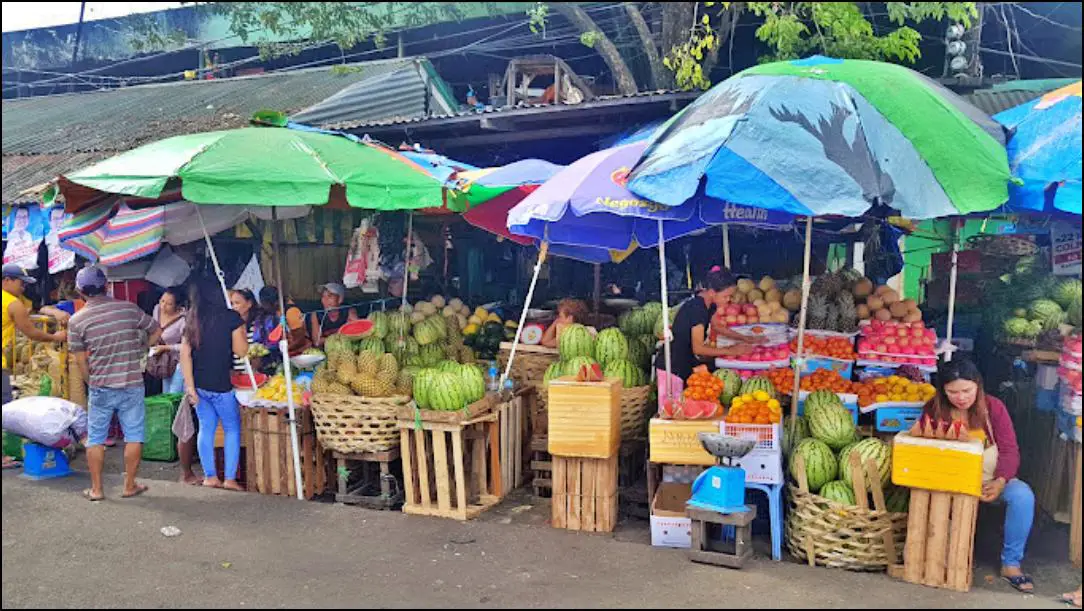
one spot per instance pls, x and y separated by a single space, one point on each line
378 488
1074 528
940 540
705 549
584 494
630 465
541 467
512 412
451 470
269 453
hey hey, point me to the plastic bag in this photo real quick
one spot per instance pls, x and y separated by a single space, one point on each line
49 421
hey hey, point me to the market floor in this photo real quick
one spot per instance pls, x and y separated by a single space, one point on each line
246 550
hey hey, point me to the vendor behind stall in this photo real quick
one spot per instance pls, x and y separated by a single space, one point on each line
689 346
960 397
569 312
333 316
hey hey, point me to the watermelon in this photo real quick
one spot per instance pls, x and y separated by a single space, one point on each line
1074 312
756 383
572 367
357 328
1067 292
649 342
554 371
653 310
380 324
627 323
832 424
611 345
820 463
1047 312
898 499
446 392
794 430
474 382
398 324
821 398
422 382
839 491
639 354
448 366
731 385
631 376
576 341
372 344
431 355
869 448
429 330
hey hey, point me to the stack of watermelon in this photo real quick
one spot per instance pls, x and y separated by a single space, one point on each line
619 355
826 438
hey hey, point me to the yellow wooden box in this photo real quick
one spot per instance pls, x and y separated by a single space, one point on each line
674 442
937 464
584 417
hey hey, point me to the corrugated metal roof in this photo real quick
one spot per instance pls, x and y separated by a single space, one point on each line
49 135
1004 96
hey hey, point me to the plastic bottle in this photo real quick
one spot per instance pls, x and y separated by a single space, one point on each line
494 384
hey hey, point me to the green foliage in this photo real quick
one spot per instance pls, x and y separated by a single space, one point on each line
536 17
590 39
841 29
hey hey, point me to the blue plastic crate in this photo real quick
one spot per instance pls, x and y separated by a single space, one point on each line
815 363
896 419
41 462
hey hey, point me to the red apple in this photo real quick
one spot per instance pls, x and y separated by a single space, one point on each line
742 320
733 310
880 348
731 318
905 342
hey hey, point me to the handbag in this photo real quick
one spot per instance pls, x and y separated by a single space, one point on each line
162 364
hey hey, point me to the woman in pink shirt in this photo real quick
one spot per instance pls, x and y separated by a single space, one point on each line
960 397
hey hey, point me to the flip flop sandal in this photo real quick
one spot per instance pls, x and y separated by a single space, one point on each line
1018 582
140 489
88 495
15 464
1069 599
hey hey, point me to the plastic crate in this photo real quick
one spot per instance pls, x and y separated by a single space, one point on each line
762 467
769 437
159 442
813 363
896 419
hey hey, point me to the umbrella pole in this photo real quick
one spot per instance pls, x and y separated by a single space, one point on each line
598 290
665 312
225 291
406 257
799 359
726 247
284 347
542 251
951 297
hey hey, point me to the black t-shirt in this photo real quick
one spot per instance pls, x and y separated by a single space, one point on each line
212 361
682 360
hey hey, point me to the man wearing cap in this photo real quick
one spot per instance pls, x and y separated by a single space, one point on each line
109 338
332 317
16 315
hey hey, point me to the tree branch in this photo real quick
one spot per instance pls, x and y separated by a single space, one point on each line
660 77
623 78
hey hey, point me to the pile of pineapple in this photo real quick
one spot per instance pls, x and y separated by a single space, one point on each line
366 375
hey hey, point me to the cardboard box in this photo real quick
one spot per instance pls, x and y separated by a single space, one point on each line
669 525
762 466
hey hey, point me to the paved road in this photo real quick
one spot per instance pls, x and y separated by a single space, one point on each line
246 550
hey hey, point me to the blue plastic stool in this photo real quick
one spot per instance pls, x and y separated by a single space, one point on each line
774 493
40 462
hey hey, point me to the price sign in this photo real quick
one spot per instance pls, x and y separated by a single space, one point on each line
1065 249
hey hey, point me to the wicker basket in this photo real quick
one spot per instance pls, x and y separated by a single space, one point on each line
529 367
354 425
634 405
827 533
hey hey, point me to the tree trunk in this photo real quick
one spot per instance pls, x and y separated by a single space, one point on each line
677 22
660 76
623 78
728 21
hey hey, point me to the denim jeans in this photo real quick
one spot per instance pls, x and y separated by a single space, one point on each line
125 403
1019 514
175 383
214 407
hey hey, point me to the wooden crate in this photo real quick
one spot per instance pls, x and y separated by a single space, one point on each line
630 465
1054 483
269 453
584 493
940 544
584 418
378 487
675 442
541 467
1074 528
451 470
512 415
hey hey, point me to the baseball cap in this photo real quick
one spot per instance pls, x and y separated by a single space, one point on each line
90 277
12 270
334 288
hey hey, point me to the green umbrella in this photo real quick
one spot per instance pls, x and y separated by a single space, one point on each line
262 166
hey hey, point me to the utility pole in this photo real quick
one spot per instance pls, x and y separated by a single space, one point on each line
78 39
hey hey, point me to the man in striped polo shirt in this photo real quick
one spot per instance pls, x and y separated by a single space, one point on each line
109 338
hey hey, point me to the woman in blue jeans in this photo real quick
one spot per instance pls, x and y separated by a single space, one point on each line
960 397
213 335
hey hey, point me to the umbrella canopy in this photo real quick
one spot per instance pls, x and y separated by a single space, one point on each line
1044 151
262 166
588 204
824 136
120 231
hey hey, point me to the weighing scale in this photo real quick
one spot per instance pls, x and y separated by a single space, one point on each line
722 488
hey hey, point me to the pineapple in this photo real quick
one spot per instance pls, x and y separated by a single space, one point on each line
389 367
368 364
346 371
848 314
818 312
404 387
336 388
451 352
365 386
385 386
321 382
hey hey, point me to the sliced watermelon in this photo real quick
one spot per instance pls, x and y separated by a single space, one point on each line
358 328
240 380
